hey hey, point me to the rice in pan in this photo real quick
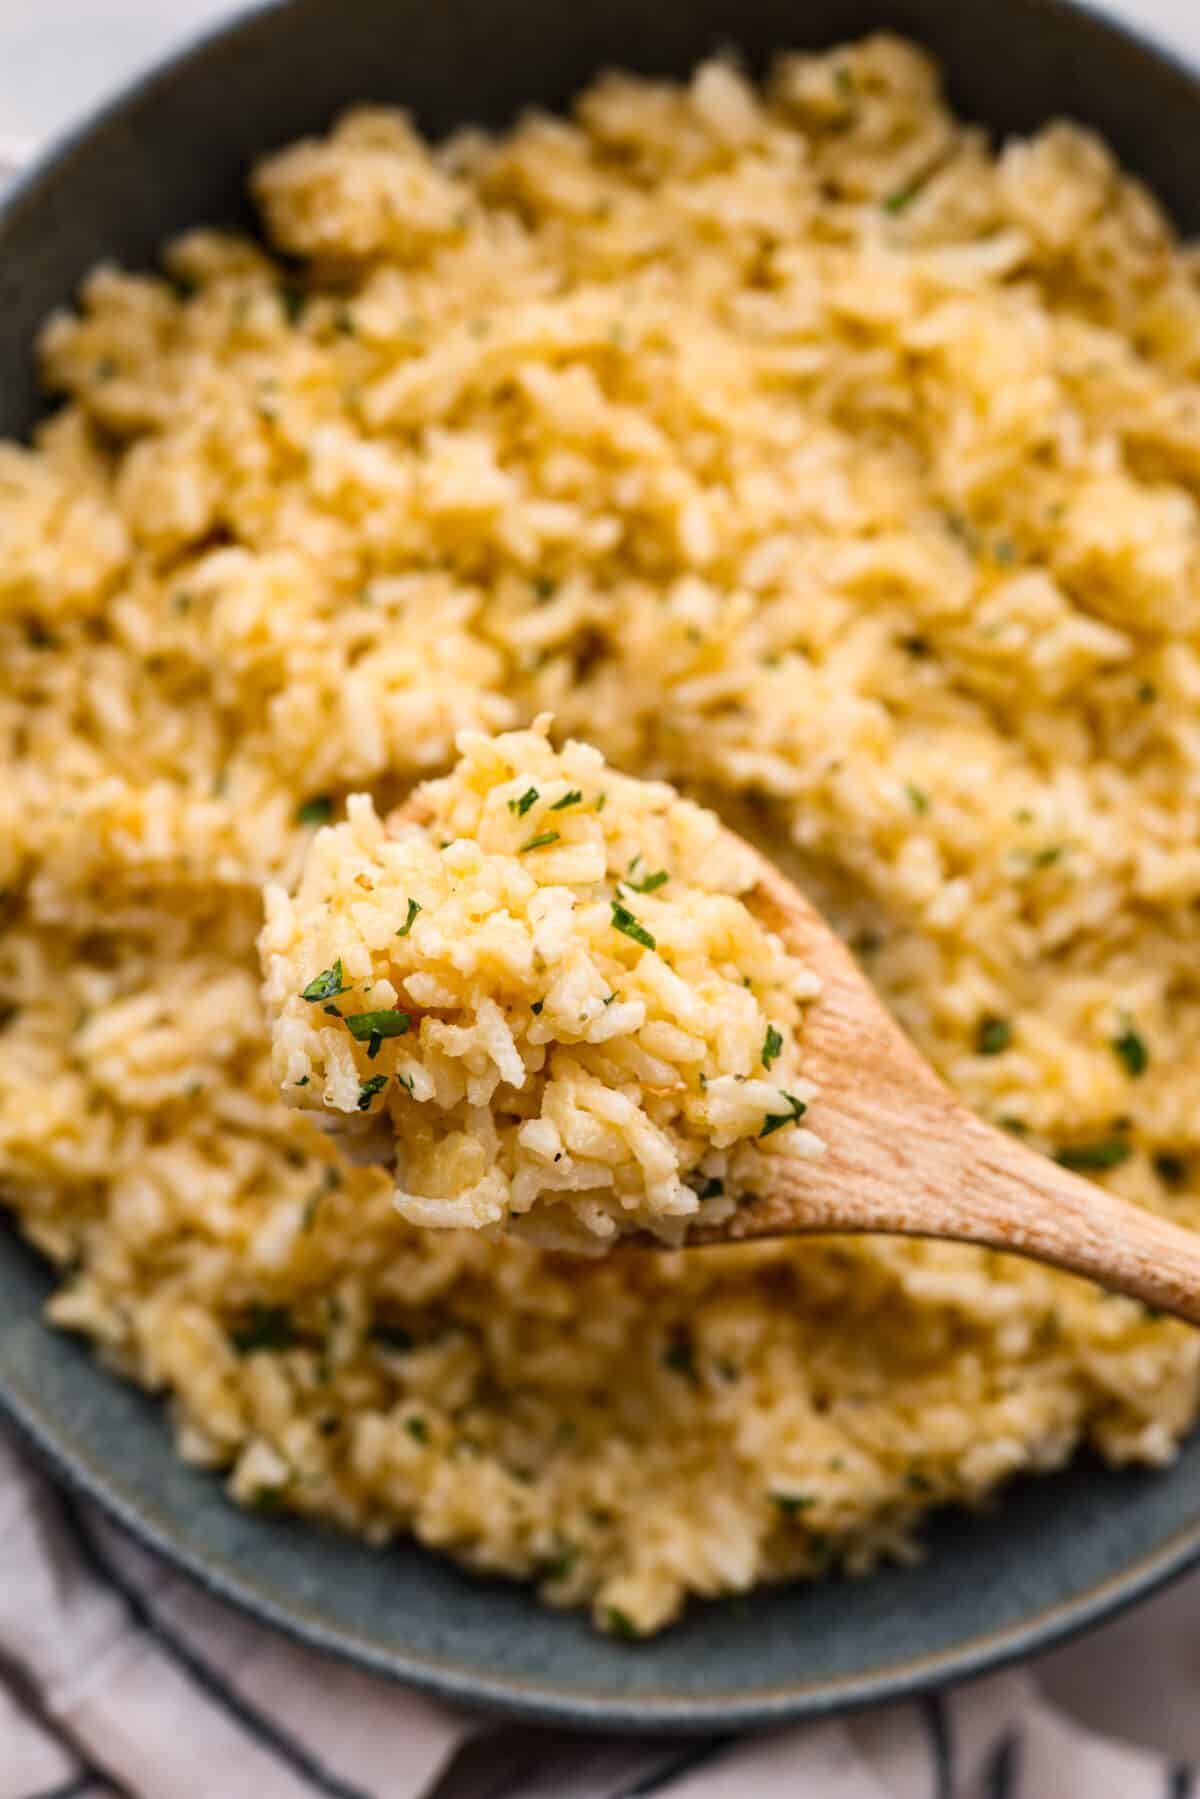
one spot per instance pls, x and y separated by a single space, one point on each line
793 444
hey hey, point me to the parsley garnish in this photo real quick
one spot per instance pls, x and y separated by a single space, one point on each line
627 924
901 197
264 1327
680 1356
368 1089
918 799
417 1429
619 1623
414 906
992 1036
568 799
792 1504
292 300
391 1336
561 1564
522 805
1106 1153
1130 1048
1170 1169
775 1121
316 811
536 1007
540 843
326 984
649 883
372 1027
772 1046
1048 857
712 1189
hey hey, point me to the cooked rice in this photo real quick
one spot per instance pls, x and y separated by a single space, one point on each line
793 444
475 995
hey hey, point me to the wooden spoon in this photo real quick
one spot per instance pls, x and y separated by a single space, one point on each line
905 1155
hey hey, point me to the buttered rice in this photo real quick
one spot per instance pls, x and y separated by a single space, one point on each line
473 992
794 444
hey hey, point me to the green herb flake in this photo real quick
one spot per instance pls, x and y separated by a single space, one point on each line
418 1429
650 883
1130 1048
545 588
900 198
372 1027
1107 1152
368 1089
775 1121
1048 857
916 1482
292 300
391 1336
316 811
536 1007
619 1623
182 601
414 906
561 1563
843 80
568 799
627 924
992 1036
918 799
680 1356
521 806
772 1046
343 322
1147 693
792 1504
263 1327
326 984
541 842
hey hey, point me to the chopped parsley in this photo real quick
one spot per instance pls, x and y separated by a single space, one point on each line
901 198
775 1121
772 1046
316 811
918 799
1107 1152
1048 857
650 883
627 924
792 1504
620 1623
560 1565
541 842
536 1007
1130 1048
545 587
680 1356
992 1036
263 1327
521 806
391 1336
712 1189
372 1027
406 1081
326 984
414 906
1147 692
916 1482
368 1089
418 1429
568 799
292 300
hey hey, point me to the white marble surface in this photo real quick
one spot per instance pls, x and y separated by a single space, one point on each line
59 56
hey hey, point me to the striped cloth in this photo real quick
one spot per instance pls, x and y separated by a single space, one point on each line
119 1676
